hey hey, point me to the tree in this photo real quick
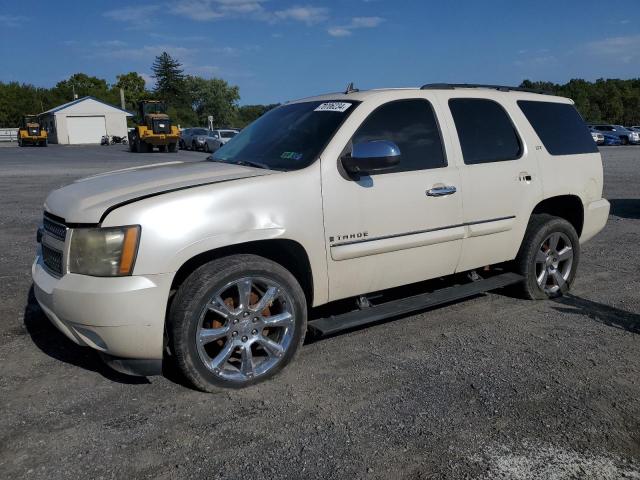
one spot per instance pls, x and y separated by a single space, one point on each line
213 97
134 88
248 113
83 85
170 84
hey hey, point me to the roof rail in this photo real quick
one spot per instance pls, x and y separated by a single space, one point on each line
500 88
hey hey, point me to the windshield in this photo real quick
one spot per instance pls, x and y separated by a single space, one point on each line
228 134
289 137
153 107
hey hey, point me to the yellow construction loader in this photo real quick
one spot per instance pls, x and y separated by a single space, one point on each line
154 129
31 132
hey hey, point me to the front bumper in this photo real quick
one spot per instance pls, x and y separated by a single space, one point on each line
120 317
595 218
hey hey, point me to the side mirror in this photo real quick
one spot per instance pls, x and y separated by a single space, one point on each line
372 157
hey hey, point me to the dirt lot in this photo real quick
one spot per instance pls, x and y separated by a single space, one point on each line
493 387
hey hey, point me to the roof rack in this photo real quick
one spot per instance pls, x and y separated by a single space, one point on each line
500 88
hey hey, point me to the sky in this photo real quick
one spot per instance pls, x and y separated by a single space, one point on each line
277 50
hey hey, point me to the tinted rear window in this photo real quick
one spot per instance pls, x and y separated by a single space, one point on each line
559 126
485 131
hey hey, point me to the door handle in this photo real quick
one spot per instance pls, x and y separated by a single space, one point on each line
441 191
525 177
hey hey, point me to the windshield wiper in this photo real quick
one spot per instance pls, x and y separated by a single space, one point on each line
244 163
248 163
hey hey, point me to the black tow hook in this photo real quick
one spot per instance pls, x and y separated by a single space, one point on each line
39 234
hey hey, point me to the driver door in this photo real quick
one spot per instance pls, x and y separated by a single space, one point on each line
398 226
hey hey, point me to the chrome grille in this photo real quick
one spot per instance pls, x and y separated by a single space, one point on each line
52 259
56 229
53 241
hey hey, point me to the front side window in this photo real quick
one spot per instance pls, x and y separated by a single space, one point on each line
559 126
485 131
412 126
289 137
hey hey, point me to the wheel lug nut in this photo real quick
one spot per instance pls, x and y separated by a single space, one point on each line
254 331
244 339
235 320
255 319
234 334
245 314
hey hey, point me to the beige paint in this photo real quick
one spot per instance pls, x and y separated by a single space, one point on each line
409 236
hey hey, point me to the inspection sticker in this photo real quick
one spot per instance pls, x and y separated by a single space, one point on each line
333 107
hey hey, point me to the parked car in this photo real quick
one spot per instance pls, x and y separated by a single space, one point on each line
219 137
194 138
634 129
626 136
184 133
608 138
597 137
219 263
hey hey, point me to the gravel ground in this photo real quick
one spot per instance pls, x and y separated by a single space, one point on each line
492 387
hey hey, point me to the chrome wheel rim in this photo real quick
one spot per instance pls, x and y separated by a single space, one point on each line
245 329
554 261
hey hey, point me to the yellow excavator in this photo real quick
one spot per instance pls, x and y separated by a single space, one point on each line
154 129
31 132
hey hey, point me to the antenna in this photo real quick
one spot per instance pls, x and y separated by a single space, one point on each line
350 89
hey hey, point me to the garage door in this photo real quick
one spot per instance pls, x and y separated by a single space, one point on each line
86 129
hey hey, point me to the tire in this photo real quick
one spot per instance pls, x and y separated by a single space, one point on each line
162 148
172 148
548 267
181 145
235 354
206 148
624 140
194 146
143 147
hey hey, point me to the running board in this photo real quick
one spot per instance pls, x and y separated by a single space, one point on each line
357 318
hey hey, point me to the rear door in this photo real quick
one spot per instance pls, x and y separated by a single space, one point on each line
500 176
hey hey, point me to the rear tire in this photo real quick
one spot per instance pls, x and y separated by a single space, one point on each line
548 257
624 140
172 148
236 321
162 148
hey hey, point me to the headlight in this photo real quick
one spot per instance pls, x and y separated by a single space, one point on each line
104 252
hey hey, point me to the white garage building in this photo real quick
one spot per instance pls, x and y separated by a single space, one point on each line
83 121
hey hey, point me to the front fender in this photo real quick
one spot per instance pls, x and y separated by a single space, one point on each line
178 226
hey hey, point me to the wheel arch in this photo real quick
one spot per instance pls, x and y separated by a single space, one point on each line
288 253
569 207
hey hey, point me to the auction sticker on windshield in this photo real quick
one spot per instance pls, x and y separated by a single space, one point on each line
333 107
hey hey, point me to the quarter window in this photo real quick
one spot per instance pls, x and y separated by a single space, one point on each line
559 126
485 131
413 127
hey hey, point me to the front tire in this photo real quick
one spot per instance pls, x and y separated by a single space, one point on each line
236 321
548 257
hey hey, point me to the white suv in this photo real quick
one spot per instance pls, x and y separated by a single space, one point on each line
218 264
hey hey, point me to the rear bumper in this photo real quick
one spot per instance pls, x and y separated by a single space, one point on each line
595 218
121 317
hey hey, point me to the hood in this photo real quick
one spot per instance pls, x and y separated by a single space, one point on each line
86 200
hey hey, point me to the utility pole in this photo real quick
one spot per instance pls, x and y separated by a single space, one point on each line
122 105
